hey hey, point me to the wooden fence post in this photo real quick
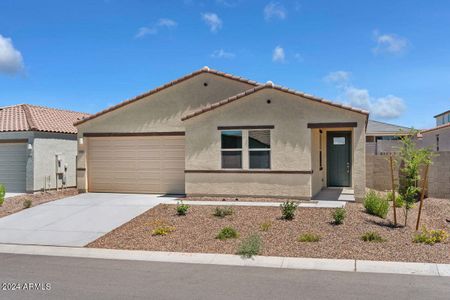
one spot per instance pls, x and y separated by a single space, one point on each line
393 190
422 195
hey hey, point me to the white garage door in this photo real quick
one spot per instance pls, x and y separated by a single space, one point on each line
13 166
147 164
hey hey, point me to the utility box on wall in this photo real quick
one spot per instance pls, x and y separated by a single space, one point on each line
60 164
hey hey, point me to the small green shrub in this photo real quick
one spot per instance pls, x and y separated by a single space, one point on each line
372 236
265 226
227 233
221 212
430 237
27 203
2 194
250 246
308 238
339 215
163 230
399 202
288 209
376 205
182 208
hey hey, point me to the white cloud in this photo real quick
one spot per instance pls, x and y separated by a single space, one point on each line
169 23
278 55
228 3
389 43
222 54
152 30
213 21
143 31
274 10
387 107
11 60
338 77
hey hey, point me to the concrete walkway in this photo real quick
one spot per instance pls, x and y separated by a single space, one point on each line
74 221
335 194
9 195
311 204
346 265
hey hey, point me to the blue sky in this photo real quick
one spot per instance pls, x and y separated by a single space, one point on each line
391 57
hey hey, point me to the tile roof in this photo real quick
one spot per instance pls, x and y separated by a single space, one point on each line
174 82
382 127
26 117
275 87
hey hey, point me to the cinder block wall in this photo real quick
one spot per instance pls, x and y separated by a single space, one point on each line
378 176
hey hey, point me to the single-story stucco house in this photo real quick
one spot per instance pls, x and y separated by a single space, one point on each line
383 138
38 148
215 134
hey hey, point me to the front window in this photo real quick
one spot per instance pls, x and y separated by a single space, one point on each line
259 149
231 149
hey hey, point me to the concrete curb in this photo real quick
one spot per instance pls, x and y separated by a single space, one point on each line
346 265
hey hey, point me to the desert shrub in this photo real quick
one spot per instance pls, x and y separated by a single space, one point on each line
182 208
339 215
250 246
221 212
430 237
2 194
163 230
372 236
227 233
265 226
27 203
309 238
376 205
288 209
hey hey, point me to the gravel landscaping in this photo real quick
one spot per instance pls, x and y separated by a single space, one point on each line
15 204
197 231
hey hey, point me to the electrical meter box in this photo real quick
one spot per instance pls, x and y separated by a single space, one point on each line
60 165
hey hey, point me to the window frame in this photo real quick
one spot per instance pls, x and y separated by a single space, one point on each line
269 149
222 150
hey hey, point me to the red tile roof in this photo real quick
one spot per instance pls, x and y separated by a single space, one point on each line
270 85
26 117
174 82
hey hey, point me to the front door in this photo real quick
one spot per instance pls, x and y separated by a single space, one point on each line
339 164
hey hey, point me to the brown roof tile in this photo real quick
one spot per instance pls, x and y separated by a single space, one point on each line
26 117
276 87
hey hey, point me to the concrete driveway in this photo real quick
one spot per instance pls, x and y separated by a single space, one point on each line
74 221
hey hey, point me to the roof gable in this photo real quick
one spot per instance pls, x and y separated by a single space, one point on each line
165 86
26 117
270 85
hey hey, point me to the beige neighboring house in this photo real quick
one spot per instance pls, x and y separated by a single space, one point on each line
384 138
211 133
438 138
38 148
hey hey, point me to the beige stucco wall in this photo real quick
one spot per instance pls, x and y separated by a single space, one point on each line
159 112
429 139
291 144
45 148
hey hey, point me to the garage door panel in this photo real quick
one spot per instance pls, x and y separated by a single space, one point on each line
13 164
152 164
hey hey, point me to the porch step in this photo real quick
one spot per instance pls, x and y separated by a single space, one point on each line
335 194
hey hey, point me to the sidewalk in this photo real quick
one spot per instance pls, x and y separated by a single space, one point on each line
345 265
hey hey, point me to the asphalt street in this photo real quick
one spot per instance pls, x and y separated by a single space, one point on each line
44 277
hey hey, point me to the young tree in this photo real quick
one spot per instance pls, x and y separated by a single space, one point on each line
412 159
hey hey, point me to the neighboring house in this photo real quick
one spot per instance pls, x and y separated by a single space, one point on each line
211 133
438 138
32 140
383 138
